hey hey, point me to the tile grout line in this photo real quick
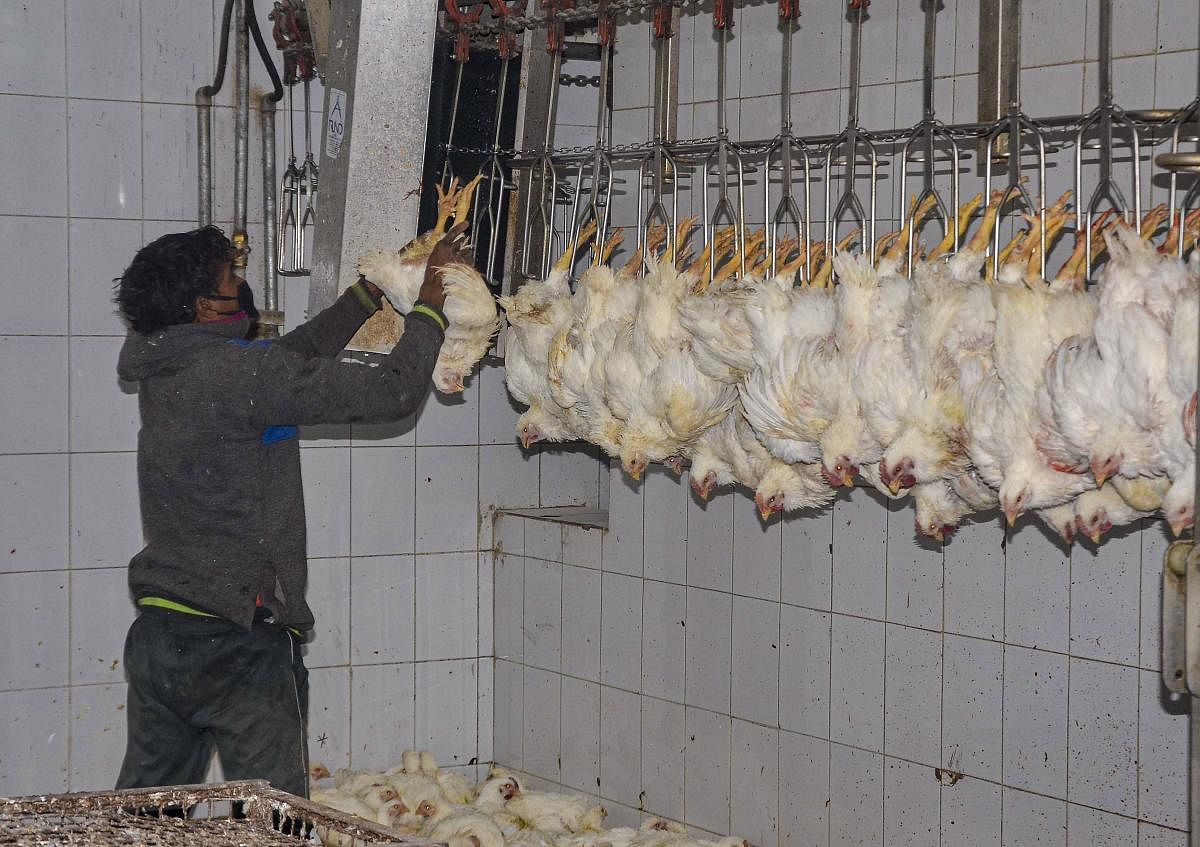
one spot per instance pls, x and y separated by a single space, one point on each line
1070 631
887 567
562 533
1003 664
70 577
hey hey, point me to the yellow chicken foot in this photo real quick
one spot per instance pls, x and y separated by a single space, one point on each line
466 196
983 236
965 212
683 232
1056 220
1075 269
1152 220
446 205
823 278
568 256
602 255
634 264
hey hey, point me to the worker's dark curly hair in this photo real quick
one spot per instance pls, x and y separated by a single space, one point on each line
160 287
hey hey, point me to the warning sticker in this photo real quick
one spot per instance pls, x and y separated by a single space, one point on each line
335 122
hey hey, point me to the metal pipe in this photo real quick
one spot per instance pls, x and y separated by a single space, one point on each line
270 221
204 98
241 137
204 155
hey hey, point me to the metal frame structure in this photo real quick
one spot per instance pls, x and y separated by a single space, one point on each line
152 816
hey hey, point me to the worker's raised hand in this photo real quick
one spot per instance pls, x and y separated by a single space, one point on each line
451 249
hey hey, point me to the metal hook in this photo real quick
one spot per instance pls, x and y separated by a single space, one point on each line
927 132
600 194
1105 117
786 211
852 138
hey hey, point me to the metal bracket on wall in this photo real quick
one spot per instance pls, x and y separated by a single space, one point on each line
1181 653
1181 568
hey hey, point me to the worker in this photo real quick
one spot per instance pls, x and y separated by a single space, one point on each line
214 657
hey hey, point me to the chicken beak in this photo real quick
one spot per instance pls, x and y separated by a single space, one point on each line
1178 525
764 508
1095 535
848 479
634 472
1099 472
894 485
526 440
1011 513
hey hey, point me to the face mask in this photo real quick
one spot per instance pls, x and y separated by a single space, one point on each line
245 301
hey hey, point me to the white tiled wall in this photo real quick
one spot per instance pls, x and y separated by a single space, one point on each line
802 683
814 707
98 157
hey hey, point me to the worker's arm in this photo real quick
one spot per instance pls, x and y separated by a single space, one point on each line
286 387
328 333
291 387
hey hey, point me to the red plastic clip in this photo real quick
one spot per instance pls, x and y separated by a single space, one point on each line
555 28
722 14
462 41
663 13
789 10
606 25
506 39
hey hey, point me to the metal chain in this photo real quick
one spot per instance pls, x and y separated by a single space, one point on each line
579 80
590 11
1153 135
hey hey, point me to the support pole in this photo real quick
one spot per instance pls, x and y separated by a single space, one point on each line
377 101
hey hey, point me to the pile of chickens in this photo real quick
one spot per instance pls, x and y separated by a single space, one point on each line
418 798
965 388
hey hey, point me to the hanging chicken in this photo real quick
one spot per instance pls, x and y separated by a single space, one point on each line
963 388
470 308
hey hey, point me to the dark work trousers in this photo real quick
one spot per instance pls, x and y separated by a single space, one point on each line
196 683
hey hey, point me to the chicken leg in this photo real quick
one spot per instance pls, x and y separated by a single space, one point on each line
585 235
823 278
965 212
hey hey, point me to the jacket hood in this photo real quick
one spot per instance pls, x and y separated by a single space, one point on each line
168 350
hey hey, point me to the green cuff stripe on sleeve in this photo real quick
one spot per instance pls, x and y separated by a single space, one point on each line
364 297
163 603
425 310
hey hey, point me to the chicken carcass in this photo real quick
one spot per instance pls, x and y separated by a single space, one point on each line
948 344
536 313
557 813
1032 320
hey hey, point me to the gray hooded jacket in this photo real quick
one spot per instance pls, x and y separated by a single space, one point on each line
219 460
